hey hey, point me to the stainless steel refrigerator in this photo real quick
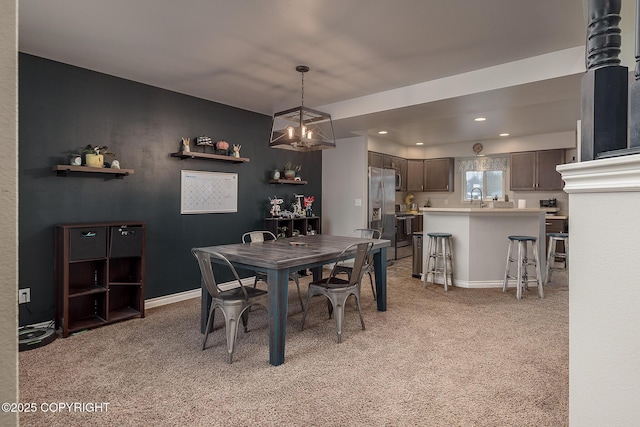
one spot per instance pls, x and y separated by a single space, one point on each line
382 209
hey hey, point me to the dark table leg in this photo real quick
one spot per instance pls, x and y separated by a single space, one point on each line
380 268
278 287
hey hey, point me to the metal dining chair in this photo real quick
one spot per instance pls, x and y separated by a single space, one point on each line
234 303
338 290
261 236
347 266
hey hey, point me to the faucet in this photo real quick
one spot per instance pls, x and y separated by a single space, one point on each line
481 198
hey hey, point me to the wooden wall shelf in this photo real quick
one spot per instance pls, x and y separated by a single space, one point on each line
286 181
194 155
63 170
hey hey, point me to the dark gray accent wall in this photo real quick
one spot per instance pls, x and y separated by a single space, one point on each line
62 108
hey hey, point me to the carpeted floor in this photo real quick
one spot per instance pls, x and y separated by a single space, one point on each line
467 357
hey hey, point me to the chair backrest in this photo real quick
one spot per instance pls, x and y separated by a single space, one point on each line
367 233
204 261
258 236
362 252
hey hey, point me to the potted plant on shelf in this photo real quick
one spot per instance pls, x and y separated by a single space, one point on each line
289 172
94 155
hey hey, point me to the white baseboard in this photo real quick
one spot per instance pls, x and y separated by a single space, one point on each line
476 284
194 293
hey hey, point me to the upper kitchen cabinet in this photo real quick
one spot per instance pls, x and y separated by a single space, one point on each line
375 160
536 170
430 174
390 162
438 174
415 175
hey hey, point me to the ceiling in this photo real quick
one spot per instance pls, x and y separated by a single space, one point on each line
420 69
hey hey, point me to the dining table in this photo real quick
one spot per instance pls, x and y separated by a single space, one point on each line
277 258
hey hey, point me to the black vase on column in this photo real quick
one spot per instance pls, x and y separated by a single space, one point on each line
604 85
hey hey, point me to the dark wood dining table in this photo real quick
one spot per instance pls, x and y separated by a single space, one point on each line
277 258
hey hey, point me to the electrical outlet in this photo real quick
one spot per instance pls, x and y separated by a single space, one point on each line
24 295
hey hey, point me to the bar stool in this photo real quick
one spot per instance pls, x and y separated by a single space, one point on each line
552 254
524 261
439 248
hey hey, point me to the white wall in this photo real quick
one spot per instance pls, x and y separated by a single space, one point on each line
344 180
604 291
8 209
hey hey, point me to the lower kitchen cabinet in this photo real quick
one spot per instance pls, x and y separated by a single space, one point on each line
556 225
100 274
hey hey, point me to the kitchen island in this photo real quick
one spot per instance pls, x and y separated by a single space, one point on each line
480 240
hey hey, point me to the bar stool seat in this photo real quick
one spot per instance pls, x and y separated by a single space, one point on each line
439 259
522 276
552 254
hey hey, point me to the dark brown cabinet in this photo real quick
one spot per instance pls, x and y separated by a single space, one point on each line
284 227
430 174
557 225
100 274
415 175
536 170
375 160
387 161
438 174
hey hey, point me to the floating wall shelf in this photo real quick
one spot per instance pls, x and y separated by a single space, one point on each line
194 155
286 181
64 170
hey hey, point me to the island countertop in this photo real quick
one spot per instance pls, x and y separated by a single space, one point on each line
486 210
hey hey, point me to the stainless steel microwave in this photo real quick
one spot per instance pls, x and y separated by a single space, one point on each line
398 181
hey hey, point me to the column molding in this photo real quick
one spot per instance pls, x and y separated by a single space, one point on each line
601 176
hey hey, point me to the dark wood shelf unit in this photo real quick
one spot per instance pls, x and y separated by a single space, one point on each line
100 274
287 181
302 224
87 290
195 155
64 170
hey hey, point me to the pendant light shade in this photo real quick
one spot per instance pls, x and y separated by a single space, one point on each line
302 128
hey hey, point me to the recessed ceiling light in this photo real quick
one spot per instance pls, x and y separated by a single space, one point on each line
504 134
480 119
419 143
382 132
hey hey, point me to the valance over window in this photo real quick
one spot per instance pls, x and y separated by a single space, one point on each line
483 164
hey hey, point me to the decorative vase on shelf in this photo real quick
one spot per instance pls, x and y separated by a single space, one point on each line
276 174
94 160
289 174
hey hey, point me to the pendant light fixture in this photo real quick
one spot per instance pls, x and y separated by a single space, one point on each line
302 128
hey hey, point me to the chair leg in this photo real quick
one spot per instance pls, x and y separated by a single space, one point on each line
359 311
297 282
519 272
445 267
209 321
305 308
231 320
506 269
538 273
373 286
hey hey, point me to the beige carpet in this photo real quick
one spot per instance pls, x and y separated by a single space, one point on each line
468 357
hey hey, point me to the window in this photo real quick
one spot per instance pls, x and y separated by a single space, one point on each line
490 182
486 173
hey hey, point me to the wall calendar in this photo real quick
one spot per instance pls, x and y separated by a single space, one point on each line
208 192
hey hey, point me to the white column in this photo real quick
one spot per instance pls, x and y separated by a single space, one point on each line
604 291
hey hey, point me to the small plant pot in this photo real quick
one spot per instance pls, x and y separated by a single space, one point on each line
289 174
94 160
